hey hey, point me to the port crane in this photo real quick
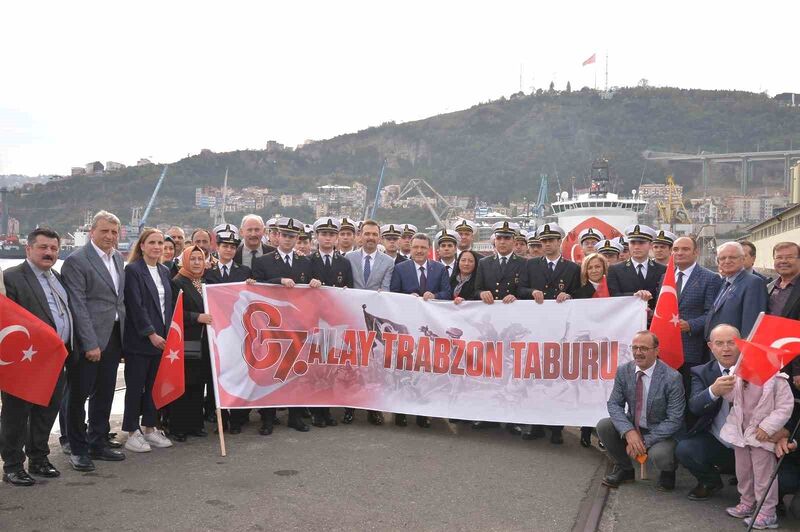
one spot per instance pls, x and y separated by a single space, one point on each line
152 201
419 186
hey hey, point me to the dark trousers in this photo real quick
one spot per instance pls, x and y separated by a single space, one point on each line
662 454
25 428
705 457
186 412
789 476
95 381
268 415
140 373
63 408
321 412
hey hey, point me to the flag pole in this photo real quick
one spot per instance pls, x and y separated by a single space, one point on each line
771 480
221 433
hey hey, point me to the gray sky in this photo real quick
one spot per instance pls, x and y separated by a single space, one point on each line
85 81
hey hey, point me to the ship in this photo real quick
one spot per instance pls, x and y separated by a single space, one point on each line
11 247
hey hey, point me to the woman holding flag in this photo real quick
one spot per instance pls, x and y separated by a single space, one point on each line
186 412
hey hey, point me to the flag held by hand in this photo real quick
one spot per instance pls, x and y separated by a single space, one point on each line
773 343
170 382
666 321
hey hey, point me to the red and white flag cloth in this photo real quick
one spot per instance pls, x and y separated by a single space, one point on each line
590 60
32 354
666 321
170 382
773 343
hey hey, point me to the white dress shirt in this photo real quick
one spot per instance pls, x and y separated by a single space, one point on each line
648 374
159 288
686 273
636 267
419 273
108 262
284 255
724 410
449 267
371 260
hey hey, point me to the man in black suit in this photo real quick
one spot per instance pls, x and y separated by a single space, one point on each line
639 275
552 277
25 427
702 451
784 292
286 268
750 260
331 269
251 247
390 238
226 270
500 277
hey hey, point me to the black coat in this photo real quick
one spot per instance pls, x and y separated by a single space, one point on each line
339 274
237 274
143 309
399 258
501 283
265 249
565 278
624 281
271 269
584 292
192 308
468 290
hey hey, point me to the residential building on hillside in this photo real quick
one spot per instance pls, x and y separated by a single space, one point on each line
783 227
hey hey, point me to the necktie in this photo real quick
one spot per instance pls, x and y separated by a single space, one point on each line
722 293
286 260
640 267
449 273
367 268
502 263
327 261
639 399
252 257
679 283
224 272
725 408
60 304
552 266
423 281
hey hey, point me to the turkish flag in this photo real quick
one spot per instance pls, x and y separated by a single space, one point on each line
590 60
571 247
602 289
170 382
773 343
32 354
665 324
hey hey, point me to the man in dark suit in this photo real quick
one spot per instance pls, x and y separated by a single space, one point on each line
742 296
750 260
645 414
784 291
94 277
422 278
25 427
697 288
447 249
226 270
702 451
466 230
639 275
284 267
331 269
501 277
251 232
550 277
390 238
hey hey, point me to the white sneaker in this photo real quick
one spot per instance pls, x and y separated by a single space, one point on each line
136 443
157 439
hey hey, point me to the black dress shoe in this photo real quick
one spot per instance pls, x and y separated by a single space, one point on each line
375 418
112 441
266 429
618 476
556 437
586 436
514 429
44 469
110 455
329 421
400 420
81 463
236 430
298 425
178 436
703 492
318 422
484 424
666 481
423 422
347 418
533 433
19 478
199 433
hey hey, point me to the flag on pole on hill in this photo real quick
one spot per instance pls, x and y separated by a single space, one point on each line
666 321
32 354
590 61
170 383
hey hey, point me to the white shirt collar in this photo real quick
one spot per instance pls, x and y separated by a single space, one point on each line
508 257
284 255
423 265
636 263
103 254
687 271
370 255
649 371
553 261
229 265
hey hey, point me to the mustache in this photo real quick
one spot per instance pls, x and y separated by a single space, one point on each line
47 257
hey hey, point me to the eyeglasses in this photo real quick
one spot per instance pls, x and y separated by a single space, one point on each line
720 343
641 348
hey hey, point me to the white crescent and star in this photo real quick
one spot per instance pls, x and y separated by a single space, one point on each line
177 328
26 354
173 355
780 342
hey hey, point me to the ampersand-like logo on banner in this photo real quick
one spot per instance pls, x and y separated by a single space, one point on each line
266 344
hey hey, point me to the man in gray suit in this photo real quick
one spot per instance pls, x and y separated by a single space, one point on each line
655 400
372 270
95 280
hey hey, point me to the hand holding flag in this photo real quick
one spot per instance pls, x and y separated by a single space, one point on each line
773 343
170 383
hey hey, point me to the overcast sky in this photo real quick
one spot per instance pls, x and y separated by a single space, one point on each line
85 81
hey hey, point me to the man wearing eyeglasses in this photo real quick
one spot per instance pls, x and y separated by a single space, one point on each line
784 292
654 397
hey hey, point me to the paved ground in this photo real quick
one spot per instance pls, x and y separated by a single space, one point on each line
340 478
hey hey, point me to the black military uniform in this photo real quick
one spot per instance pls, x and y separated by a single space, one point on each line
624 278
272 268
339 273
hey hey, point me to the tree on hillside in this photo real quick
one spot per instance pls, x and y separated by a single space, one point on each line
569 88
552 87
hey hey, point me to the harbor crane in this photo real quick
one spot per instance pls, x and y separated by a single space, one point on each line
419 186
152 202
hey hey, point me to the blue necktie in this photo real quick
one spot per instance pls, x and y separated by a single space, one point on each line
367 268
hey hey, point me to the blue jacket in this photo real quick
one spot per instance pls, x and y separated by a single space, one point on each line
143 309
694 303
404 279
700 402
740 306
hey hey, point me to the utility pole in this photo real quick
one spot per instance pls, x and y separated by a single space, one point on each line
606 70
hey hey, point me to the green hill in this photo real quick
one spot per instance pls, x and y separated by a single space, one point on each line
493 151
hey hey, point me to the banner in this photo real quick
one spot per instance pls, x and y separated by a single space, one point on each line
551 363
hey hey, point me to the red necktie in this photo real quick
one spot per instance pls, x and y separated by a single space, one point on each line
639 399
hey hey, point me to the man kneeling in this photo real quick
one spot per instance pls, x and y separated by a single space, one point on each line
653 393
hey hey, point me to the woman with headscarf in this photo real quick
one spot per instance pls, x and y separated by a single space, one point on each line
186 412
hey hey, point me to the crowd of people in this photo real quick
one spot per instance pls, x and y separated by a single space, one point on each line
107 311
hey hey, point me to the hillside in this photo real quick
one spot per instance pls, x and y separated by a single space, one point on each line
493 151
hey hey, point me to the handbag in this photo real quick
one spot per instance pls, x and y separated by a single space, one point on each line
192 349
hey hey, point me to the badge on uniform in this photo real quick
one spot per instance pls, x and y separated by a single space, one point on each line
561 285
303 277
339 278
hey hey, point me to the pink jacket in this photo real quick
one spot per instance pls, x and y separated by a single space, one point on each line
772 412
